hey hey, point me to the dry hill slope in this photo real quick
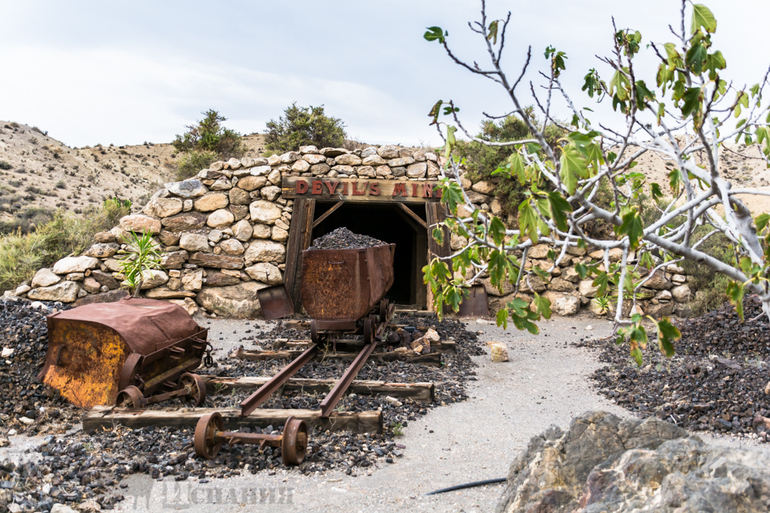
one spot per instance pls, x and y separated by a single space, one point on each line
38 172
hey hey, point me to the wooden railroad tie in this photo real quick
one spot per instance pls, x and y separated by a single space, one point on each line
431 359
107 416
420 392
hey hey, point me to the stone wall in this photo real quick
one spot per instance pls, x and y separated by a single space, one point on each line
223 234
223 237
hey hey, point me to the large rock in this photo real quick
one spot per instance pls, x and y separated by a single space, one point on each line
104 297
561 285
216 261
140 224
236 301
238 196
66 292
587 288
232 247
45 278
174 259
191 188
75 264
251 183
606 464
659 281
388 151
417 170
563 304
348 160
266 273
220 279
507 288
105 279
220 219
167 293
163 207
188 221
681 293
243 230
194 242
152 278
264 212
100 250
212 201
265 251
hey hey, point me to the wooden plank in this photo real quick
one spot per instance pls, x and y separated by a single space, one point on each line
421 392
108 416
300 235
326 214
417 219
432 359
360 189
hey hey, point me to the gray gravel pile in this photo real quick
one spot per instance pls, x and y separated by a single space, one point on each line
715 382
26 405
342 238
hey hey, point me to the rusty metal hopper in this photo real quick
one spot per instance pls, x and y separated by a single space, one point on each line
96 350
341 285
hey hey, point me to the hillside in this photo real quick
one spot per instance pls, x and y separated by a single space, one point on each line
39 173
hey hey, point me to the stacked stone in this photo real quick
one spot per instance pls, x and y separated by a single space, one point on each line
665 293
222 235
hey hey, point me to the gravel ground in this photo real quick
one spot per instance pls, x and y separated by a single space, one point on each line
544 383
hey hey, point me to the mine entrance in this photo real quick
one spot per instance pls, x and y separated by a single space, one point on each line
404 226
404 223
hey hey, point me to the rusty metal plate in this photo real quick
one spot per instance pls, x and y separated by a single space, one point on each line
275 303
88 347
344 284
476 304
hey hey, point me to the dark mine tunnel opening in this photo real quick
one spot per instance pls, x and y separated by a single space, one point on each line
391 223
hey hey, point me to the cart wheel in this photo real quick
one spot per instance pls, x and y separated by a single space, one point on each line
196 387
131 397
369 330
128 371
294 441
314 332
384 305
206 441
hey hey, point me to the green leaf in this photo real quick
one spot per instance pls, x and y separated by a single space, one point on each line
502 318
517 167
667 334
656 192
451 194
435 34
602 281
691 101
761 221
542 305
497 230
435 111
528 220
559 208
492 33
735 293
702 17
450 141
438 235
573 165
582 270
633 227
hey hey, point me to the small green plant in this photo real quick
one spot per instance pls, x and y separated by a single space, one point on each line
5 165
397 428
603 305
61 184
142 255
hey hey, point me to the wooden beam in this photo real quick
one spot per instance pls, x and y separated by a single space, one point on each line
432 359
420 392
413 216
326 214
107 416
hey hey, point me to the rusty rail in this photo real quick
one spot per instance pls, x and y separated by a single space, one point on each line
334 396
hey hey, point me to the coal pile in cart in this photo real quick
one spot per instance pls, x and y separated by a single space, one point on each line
718 380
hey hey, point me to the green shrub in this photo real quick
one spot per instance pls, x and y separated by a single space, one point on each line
21 255
5 165
191 163
707 285
303 126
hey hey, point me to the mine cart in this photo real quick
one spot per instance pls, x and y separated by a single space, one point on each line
342 286
126 351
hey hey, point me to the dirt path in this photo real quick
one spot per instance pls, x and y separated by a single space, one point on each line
544 383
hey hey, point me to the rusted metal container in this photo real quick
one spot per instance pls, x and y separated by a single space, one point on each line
96 350
340 286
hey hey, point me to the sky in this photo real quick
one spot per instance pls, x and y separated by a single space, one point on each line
95 72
